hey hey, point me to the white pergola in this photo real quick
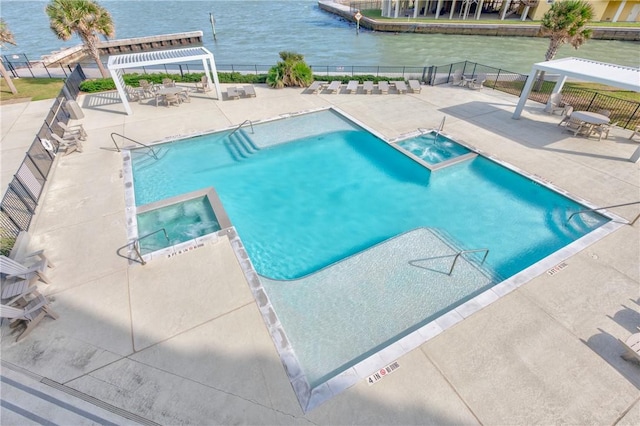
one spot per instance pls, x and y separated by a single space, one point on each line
627 78
117 63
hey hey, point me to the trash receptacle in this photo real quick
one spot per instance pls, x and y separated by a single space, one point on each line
73 109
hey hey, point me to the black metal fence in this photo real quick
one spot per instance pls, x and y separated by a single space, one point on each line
21 198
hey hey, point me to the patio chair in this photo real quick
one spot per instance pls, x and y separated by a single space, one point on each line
566 113
203 85
478 82
70 144
17 292
636 131
171 98
184 96
167 82
20 251
603 130
249 91
414 86
12 268
577 126
555 104
383 87
457 79
73 130
632 348
147 88
352 86
31 314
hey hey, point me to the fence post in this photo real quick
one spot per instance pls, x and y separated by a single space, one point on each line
632 115
591 102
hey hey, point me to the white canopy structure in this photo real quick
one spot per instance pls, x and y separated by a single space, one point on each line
627 78
117 63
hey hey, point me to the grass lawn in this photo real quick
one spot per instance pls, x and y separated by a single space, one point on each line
30 89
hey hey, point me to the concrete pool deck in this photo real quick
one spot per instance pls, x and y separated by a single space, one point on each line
181 340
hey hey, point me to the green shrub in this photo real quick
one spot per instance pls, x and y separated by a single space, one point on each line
291 71
6 244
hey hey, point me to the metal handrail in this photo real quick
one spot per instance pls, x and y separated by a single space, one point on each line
136 246
150 148
242 124
606 207
468 251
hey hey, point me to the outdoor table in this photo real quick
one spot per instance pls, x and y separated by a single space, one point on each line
592 118
163 91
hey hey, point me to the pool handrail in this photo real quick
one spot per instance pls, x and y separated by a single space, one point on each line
461 252
242 124
149 148
136 246
606 207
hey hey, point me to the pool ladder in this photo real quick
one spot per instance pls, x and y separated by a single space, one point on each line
150 150
461 252
135 245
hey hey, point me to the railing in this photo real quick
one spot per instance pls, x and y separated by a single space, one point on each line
606 207
149 148
136 246
461 252
242 124
23 193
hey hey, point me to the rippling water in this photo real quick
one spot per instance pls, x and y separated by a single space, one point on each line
253 32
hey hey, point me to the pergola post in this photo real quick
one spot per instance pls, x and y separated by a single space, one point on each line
505 7
438 8
453 7
479 10
116 75
623 3
525 93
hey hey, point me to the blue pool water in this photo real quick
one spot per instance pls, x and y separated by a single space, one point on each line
433 148
308 203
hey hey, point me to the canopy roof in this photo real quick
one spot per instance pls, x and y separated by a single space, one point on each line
142 59
627 78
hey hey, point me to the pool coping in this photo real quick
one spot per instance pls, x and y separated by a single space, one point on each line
309 398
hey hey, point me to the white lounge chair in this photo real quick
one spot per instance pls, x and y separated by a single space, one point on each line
35 310
249 91
367 87
334 86
478 82
632 348
316 87
232 93
352 86
414 85
383 87
401 86
12 268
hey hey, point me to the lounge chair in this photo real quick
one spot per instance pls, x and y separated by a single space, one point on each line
478 82
35 310
11 268
401 86
249 91
367 87
383 87
203 84
334 86
232 93
414 85
457 79
316 87
555 104
352 86
69 144
632 348
73 130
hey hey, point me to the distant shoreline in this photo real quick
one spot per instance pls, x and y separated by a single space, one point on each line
472 28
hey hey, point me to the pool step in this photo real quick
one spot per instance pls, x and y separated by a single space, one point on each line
240 145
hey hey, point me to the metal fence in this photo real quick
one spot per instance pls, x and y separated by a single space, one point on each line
21 198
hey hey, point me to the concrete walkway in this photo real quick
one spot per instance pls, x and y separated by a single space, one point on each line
181 340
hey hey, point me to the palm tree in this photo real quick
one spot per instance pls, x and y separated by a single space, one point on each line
6 36
87 19
291 71
565 23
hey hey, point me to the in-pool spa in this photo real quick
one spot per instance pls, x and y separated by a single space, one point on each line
176 220
360 249
435 151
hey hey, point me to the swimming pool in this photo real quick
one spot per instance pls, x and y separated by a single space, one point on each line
327 212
